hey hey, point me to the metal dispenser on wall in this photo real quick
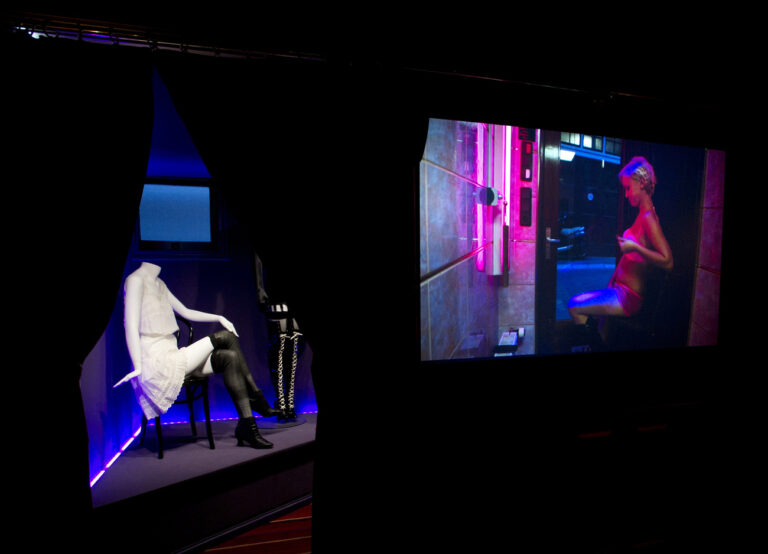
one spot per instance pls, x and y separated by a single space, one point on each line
497 260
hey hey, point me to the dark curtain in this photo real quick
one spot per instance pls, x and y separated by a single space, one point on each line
77 120
680 171
319 160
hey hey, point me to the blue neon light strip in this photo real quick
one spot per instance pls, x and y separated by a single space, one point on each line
115 457
584 153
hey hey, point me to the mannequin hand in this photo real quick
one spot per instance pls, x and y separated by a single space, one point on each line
131 375
228 325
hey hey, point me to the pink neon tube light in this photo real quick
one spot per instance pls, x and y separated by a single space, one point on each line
507 172
480 208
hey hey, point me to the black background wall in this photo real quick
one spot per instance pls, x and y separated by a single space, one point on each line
432 457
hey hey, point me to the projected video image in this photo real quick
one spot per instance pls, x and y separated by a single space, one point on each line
536 241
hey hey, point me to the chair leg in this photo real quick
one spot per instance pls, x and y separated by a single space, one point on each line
143 429
158 426
190 403
207 410
159 438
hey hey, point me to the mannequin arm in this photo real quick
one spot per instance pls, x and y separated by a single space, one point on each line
133 291
200 317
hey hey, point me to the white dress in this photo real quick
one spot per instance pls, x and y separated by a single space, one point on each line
163 363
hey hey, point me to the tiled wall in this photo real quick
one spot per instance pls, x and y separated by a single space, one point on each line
706 302
465 306
458 307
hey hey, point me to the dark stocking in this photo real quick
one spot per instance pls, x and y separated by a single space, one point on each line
228 358
226 340
226 363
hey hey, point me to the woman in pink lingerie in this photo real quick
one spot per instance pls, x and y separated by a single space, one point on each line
642 245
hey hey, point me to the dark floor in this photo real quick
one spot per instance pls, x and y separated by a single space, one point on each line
288 534
138 470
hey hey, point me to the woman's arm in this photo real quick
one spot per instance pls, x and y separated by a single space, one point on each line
132 314
201 317
661 254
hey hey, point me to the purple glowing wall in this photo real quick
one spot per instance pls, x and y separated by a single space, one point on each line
705 313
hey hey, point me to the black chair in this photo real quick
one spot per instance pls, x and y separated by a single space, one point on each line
195 388
642 330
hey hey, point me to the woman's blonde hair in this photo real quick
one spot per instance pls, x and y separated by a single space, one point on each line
639 168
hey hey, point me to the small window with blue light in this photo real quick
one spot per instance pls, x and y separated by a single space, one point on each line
592 142
613 146
595 147
570 138
175 213
177 219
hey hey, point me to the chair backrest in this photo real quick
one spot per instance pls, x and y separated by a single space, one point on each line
190 329
658 284
641 329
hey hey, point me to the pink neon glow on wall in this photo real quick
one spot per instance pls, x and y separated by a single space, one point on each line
479 208
507 172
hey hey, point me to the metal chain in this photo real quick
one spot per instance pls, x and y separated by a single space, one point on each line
280 393
294 363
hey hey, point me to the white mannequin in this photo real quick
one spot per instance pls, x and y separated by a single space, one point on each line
160 366
198 353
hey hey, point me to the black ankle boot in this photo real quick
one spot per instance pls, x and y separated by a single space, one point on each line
289 414
247 431
260 405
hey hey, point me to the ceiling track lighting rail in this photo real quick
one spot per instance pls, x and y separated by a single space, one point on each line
102 32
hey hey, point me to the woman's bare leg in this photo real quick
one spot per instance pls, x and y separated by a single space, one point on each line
596 302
